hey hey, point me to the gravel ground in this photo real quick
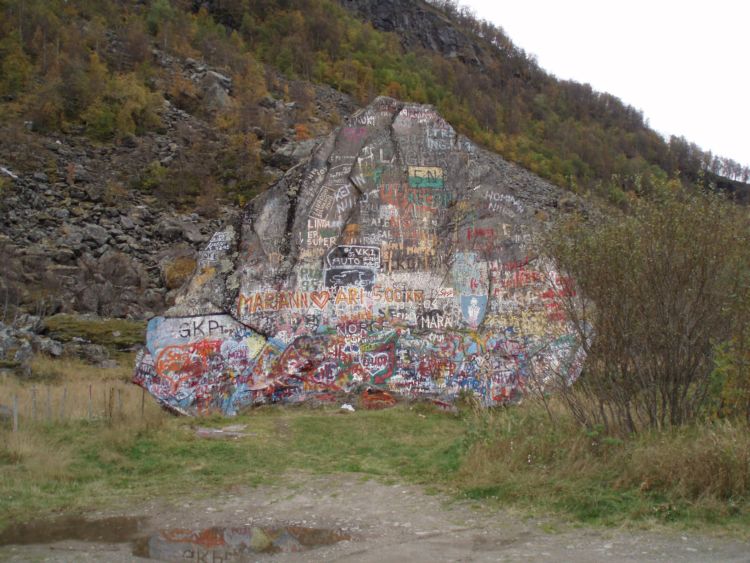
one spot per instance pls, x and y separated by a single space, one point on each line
384 522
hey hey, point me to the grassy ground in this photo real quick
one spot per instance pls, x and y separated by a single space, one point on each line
518 456
76 464
115 334
694 476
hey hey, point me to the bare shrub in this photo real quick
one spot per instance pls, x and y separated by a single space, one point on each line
659 288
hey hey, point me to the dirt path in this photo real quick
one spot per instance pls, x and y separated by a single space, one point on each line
362 520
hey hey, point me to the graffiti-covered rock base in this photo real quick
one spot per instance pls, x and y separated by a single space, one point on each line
397 257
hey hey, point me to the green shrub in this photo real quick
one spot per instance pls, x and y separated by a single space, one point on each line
101 122
15 67
153 177
731 378
659 287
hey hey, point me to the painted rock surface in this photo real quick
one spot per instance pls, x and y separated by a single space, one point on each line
398 257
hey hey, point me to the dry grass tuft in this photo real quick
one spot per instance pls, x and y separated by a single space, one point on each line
69 389
177 272
520 454
35 456
710 460
74 419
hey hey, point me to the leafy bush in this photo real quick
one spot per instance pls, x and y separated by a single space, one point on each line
660 288
731 390
15 67
101 122
126 107
153 177
138 110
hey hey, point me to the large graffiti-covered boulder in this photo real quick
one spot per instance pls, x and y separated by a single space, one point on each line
399 256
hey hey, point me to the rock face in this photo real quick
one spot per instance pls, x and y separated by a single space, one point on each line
399 257
418 25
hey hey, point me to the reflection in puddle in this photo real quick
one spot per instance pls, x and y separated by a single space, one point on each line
106 530
233 544
211 544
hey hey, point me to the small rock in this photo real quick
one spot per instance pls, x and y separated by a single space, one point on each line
169 229
73 237
192 233
24 353
81 174
127 222
129 142
225 81
267 102
50 346
7 172
96 233
215 97
94 194
61 213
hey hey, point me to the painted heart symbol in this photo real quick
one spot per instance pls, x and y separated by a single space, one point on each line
320 298
375 362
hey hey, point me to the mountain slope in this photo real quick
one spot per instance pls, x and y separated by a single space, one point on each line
489 88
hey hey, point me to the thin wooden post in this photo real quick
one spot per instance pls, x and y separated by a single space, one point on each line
91 401
111 403
33 403
15 413
62 402
49 404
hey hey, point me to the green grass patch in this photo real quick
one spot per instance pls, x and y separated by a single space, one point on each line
511 457
95 464
115 334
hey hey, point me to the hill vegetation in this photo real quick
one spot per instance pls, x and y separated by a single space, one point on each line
83 65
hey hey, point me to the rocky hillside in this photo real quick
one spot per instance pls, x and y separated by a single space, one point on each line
490 58
87 227
420 25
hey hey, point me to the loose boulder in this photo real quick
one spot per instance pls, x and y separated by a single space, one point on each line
398 257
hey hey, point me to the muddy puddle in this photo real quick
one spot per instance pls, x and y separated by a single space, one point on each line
210 544
118 529
233 544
